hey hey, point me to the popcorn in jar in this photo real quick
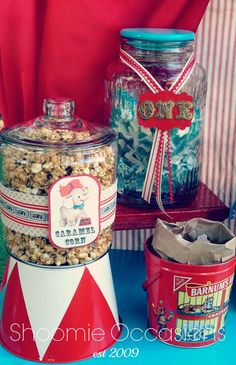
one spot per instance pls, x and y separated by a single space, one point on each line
58 188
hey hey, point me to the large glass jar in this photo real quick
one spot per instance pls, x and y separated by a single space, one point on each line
58 187
163 53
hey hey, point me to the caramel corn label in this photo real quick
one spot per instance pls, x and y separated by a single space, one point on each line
31 215
74 211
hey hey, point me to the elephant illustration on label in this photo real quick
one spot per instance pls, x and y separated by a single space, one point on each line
72 210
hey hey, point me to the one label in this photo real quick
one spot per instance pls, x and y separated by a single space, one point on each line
29 214
165 110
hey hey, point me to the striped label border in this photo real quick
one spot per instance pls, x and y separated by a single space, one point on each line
28 214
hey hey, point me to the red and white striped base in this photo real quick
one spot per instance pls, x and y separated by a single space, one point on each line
59 314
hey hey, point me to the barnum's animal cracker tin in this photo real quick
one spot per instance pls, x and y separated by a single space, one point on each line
187 304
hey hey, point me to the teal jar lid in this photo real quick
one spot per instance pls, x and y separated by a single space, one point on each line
158 34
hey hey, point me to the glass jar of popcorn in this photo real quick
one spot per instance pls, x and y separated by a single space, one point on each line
58 187
155 99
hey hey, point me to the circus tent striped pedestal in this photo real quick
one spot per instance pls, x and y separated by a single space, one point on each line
58 314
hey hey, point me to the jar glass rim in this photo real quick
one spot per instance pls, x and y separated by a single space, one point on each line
104 136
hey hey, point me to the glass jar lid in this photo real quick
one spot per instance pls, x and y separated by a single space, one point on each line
158 34
58 127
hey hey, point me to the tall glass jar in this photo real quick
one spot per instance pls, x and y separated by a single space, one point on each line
58 187
163 53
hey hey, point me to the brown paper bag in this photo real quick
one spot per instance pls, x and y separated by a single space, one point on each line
181 241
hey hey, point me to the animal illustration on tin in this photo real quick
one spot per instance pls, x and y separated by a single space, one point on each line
72 211
162 318
197 333
206 307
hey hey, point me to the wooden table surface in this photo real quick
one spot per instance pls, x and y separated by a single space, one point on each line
206 205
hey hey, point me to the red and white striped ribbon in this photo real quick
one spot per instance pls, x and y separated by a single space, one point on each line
161 138
28 214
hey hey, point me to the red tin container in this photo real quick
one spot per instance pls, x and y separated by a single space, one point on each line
58 315
187 304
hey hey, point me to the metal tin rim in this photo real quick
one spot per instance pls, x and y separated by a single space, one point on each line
179 264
